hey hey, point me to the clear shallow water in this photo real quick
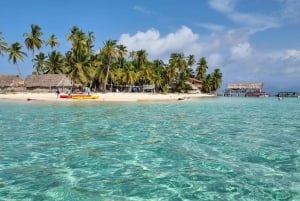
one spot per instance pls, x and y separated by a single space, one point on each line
207 149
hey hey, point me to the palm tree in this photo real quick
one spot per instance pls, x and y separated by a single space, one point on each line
201 68
55 63
79 64
3 45
178 62
129 76
122 53
52 41
15 54
39 63
157 76
33 40
109 53
190 62
90 42
216 79
207 84
78 39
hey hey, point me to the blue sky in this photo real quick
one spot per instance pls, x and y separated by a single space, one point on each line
249 40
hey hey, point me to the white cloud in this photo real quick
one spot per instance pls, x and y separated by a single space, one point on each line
159 47
211 27
215 60
252 21
292 55
290 10
141 9
241 51
224 6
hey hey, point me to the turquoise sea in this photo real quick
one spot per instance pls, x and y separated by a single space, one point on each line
205 149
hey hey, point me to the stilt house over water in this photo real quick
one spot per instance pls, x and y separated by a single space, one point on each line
241 89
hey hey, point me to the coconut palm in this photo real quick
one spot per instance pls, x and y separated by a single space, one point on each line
3 45
33 40
55 63
207 84
109 54
15 53
201 68
190 62
129 75
216 79
79 66
78 39
178 62
122 53
39 63
90 39
140 60
52 41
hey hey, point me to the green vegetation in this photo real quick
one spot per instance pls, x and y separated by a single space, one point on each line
113 65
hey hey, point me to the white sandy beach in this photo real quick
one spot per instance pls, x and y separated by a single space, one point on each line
104 97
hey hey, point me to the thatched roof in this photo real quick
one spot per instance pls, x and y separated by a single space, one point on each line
48 80
10 81
258 85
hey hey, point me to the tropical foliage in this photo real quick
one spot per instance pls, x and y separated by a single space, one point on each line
112 66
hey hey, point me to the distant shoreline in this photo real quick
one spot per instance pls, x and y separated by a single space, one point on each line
105 97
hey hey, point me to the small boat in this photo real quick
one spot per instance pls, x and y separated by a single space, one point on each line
86 97
79 96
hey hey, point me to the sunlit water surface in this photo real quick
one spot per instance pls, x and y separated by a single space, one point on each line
205 149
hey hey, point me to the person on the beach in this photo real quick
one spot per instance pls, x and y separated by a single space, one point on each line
57 92
69 91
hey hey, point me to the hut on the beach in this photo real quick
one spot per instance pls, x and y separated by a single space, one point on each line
47 82
241 89
10 82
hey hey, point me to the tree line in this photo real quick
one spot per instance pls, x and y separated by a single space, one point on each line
112 65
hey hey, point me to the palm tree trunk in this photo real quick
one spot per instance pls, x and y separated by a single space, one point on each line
19 71
106 77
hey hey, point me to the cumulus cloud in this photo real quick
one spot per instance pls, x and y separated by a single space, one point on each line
241 51
160 47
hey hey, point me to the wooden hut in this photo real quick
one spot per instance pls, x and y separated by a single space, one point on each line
241 89
10 82
47 82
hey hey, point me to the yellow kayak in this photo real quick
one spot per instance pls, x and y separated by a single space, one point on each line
85 97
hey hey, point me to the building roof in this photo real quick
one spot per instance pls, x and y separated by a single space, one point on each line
258 85
10 81
48 80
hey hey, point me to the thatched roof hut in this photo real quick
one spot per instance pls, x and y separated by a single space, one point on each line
47 81
10 81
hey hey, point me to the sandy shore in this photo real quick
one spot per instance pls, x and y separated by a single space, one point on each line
104 97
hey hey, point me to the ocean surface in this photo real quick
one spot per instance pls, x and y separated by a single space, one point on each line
203 149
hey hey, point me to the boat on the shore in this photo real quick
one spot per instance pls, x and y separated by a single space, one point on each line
86 97
79 96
